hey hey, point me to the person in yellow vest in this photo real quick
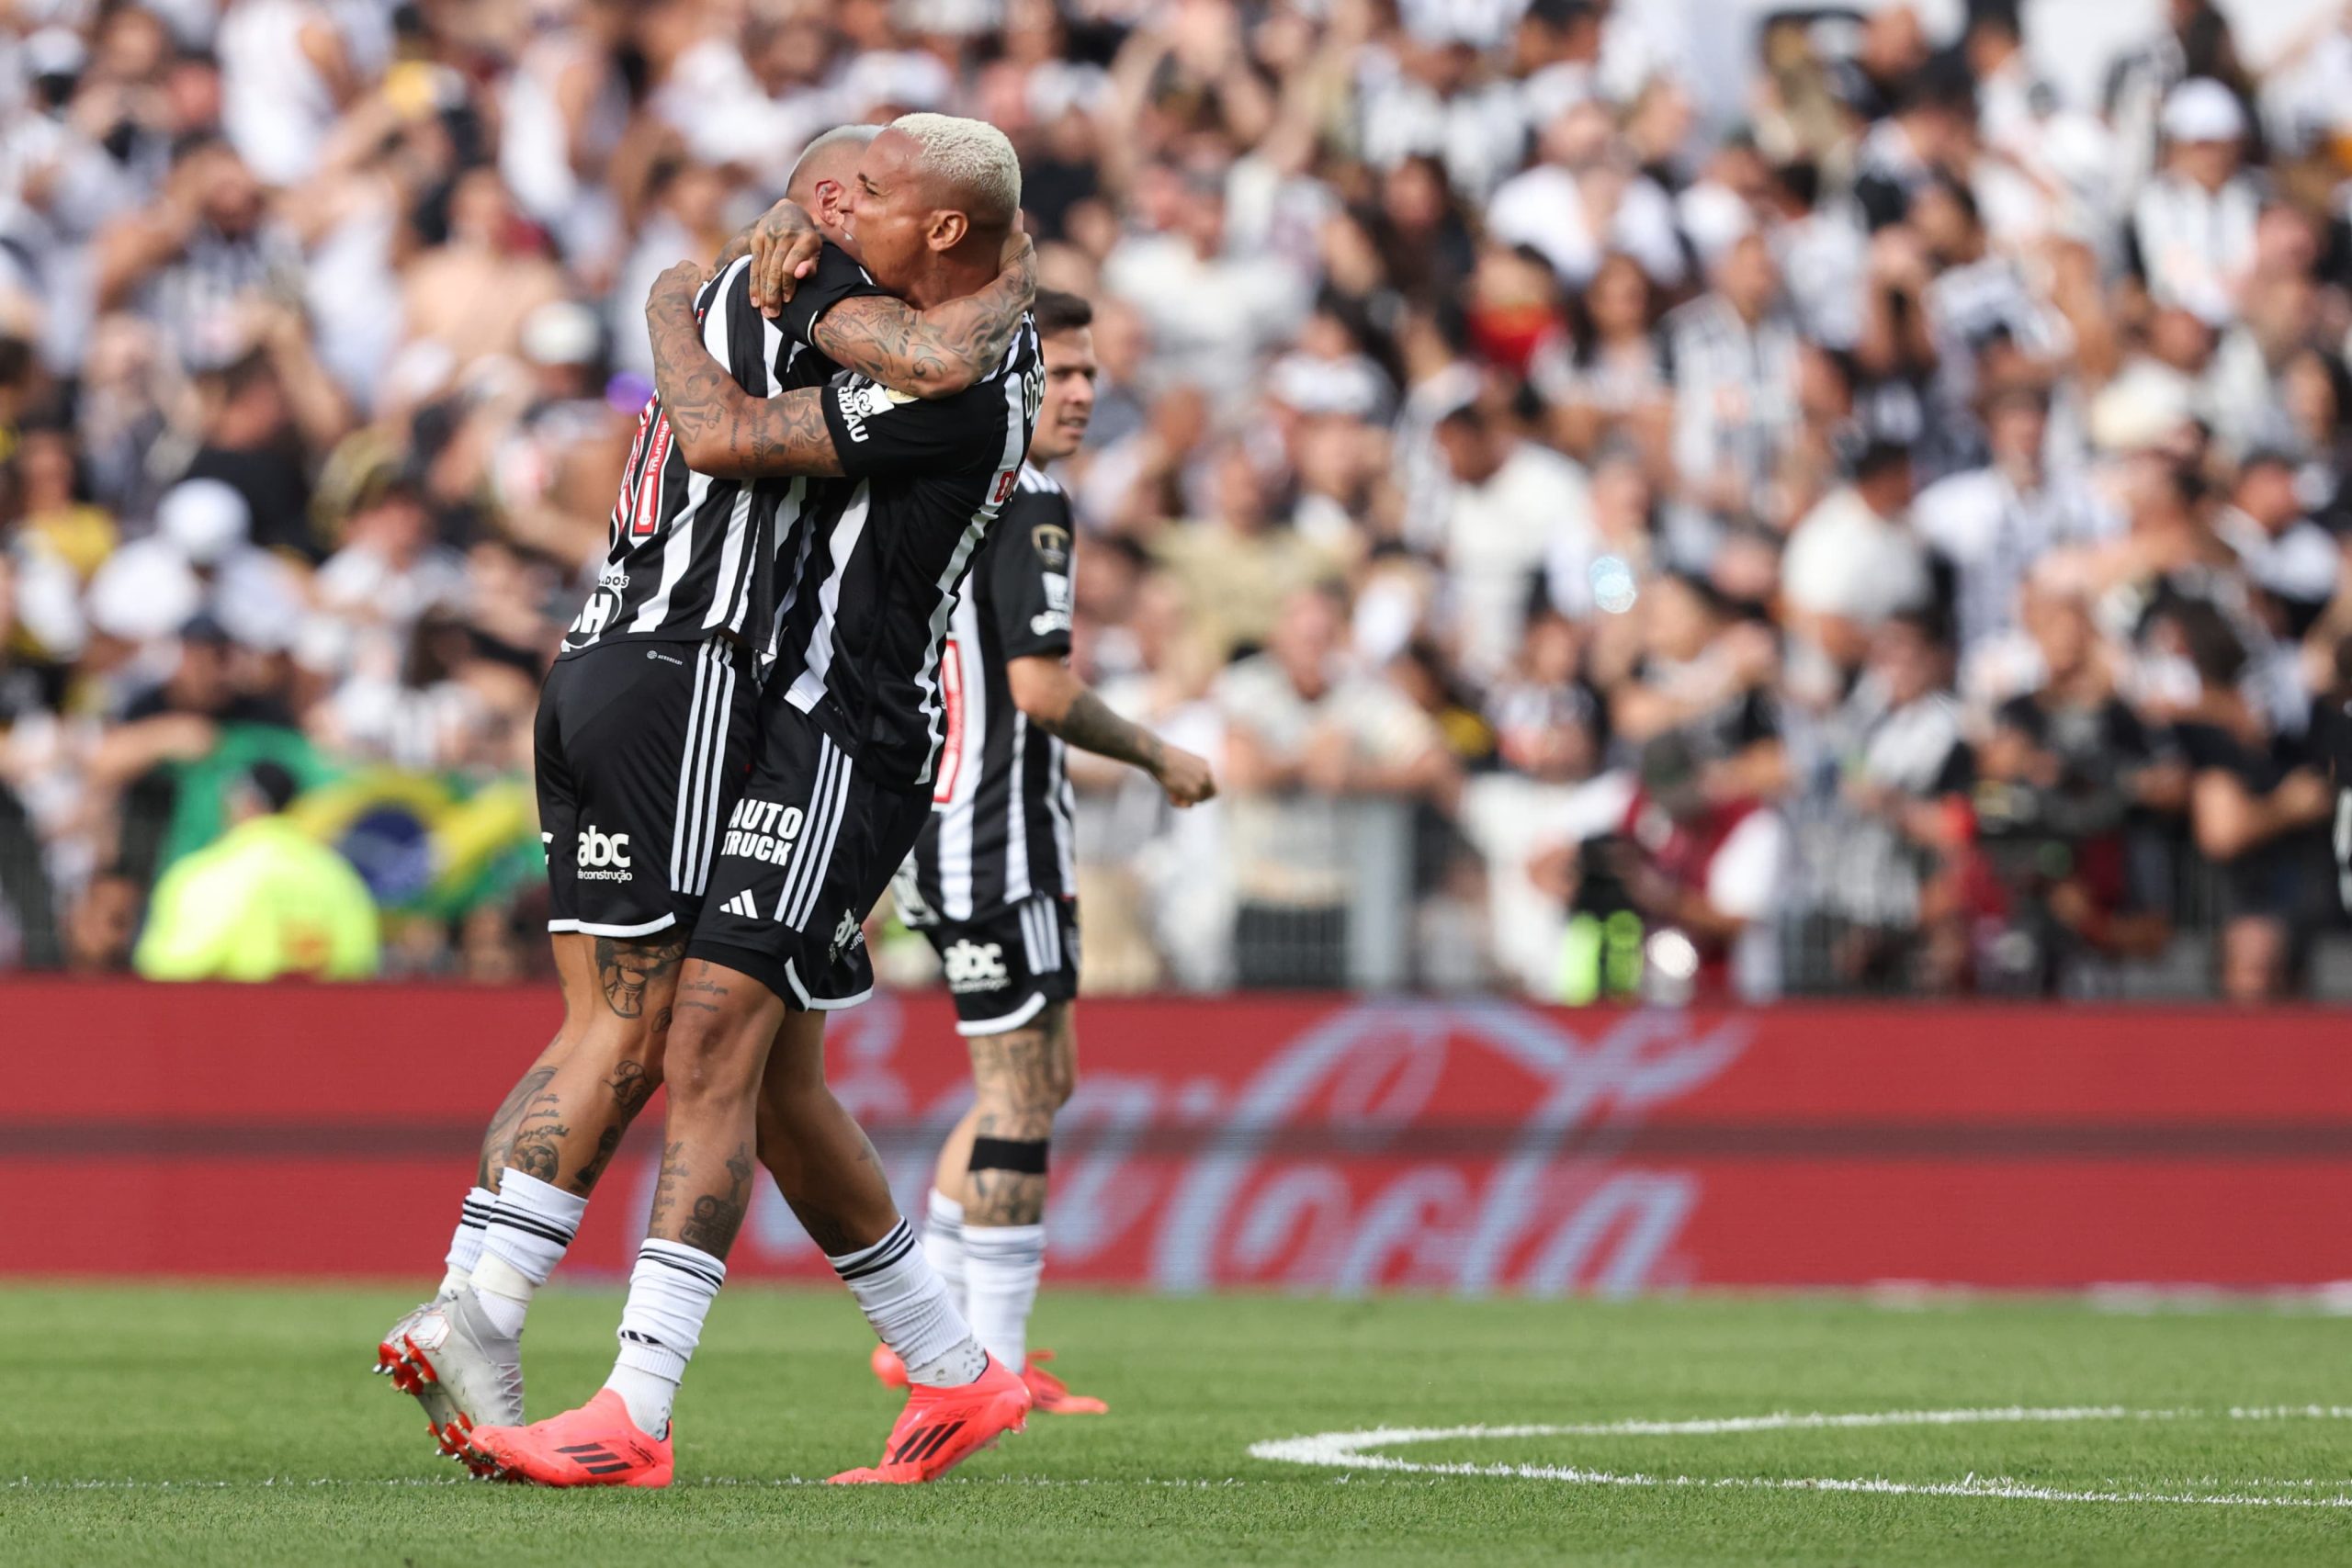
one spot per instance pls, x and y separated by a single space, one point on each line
263 900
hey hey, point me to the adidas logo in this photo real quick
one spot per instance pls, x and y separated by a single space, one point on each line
595 1459
741 905
923 1441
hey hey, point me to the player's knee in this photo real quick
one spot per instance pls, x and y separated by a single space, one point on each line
1028 1073
709 1055
786 1105
631 1049
773 1130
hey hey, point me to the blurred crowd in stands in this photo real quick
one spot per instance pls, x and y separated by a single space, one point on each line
1881 534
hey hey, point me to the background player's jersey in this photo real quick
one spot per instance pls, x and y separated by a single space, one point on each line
2332 736
1000 831
689 556
888 548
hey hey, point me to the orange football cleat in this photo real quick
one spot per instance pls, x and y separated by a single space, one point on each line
889 1370
942 1428
1049 1394
596 1445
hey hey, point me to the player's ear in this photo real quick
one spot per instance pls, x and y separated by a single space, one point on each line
948 230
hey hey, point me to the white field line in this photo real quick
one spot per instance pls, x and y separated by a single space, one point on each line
1347 1450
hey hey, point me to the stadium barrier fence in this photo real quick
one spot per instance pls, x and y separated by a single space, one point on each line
1316 1144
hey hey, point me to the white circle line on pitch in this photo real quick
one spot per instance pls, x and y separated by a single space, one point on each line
1355 1451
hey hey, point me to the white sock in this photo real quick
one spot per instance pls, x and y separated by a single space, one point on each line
904 1299
465 1247
1001 1265
528 1231
942 1243
670 1293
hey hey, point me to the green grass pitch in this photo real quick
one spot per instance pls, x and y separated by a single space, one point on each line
240 1426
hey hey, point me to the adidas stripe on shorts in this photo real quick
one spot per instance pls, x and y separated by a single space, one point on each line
803 856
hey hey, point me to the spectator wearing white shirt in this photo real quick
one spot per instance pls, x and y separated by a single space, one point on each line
1993 523
1555 53
1904 756
2286 555
1515 504
1732 357
371 592
2191 231
285 73
1853 563
1303 734
199 562
1583 200
1431 98
1211 313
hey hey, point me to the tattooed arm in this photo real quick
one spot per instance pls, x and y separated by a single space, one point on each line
722 430
934 353
783 243
930 353
733 250
1057 702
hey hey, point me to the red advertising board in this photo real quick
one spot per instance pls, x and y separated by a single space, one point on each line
1319 1144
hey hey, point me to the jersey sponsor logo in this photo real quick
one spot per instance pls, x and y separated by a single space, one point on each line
1056 615
1005 479
859 404
647 514
1051 541
595 616
602 604
625 507
849 933
602 856
975 966
951 704
763 830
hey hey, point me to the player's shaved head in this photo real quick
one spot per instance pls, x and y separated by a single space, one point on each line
831 157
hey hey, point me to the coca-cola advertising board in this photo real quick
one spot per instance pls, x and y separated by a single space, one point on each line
1322 1144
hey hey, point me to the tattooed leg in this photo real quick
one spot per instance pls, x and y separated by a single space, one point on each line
821 1159
1024 1077
499 1141
717 1050
569 1124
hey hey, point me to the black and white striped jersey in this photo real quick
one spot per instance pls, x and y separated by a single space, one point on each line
690 557
886 550
1000 829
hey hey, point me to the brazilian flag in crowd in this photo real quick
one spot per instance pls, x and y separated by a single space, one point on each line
426 843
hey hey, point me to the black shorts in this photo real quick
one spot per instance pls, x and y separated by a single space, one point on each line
1003 965
639 748
803 857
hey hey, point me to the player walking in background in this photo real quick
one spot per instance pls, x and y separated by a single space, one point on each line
643 735
848 737
992 882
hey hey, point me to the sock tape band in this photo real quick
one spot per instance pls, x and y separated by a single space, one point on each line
1009 1154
